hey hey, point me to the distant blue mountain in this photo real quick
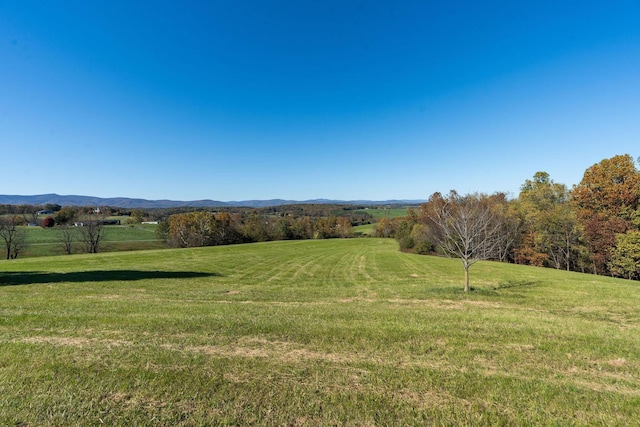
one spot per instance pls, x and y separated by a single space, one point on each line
124 202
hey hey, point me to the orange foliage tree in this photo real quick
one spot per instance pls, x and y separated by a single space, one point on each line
607 202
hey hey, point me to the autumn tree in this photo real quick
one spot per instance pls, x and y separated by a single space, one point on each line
550 233
202 228
607 201
510 225
65 215
324 227
384 228
343 227
332 227
191 229
467 227
562 238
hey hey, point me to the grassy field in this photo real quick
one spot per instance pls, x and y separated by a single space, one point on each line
390 213
47 241
364 230
328 332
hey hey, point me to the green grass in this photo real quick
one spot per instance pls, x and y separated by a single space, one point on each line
364 230
390 213
47 241
329 332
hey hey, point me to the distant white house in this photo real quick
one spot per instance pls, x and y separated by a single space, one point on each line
103 222
45 212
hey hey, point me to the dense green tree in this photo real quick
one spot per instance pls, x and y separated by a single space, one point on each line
422 239
256 227
283 230
302 228
225 230
137 216
162 231
403 233
54 207
625 256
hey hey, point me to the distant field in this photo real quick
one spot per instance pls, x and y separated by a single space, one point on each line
368 229
385 213
47 241
319 332
365 230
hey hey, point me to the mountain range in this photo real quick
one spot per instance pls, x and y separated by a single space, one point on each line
129 203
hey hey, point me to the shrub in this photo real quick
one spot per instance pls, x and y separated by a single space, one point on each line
48 222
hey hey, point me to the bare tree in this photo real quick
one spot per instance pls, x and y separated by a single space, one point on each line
467 227
13 236
91 232
30 215
68 236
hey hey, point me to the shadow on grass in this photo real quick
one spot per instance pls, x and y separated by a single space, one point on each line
518 284
495 289
12 278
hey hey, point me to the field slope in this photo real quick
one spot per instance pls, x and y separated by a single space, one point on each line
330 332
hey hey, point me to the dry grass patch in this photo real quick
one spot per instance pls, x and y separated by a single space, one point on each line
617 363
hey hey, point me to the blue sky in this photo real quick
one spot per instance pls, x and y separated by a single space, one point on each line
235 100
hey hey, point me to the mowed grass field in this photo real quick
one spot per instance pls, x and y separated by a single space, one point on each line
327 332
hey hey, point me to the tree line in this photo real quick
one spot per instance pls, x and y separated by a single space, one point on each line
204 228
593 227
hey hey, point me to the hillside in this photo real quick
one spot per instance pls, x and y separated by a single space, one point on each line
321 332
124 202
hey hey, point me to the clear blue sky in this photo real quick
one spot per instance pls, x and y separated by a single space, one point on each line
235 100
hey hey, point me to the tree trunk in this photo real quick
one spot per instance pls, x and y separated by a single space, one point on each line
466 278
